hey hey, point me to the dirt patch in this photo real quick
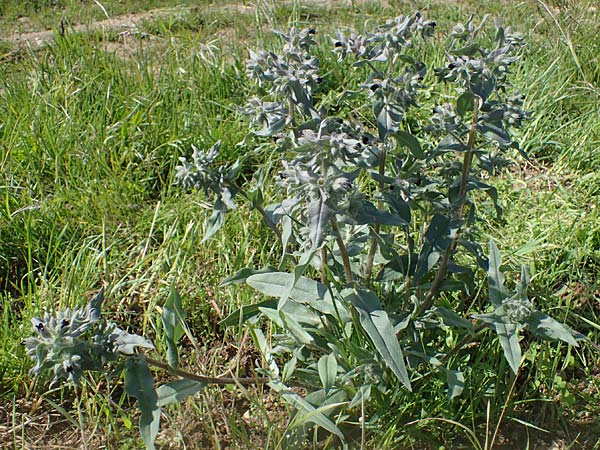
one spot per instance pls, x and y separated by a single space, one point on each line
124 25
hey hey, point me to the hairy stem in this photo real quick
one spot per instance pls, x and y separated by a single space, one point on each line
323 265
343 252
264 214
377 227
458 213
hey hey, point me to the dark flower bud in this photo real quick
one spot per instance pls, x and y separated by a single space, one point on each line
311 31
337 44
364 139
451 66
69 369
40 326
374 87
318 80
64 323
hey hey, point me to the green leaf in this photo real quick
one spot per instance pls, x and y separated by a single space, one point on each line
523 283
318 216
327 367
388 117
176 391
509 340
308 412
94 307
173 319
408 140
456 383
452 319
464 103
295 328
245 313
437 240
242 275
495 278
494 133
362 395
277 284
139 383
215 221
468 50
380 330
546 327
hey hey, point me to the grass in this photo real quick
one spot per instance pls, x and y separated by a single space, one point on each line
89 138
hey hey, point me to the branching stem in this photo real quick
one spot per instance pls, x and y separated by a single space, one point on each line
343 252
458 213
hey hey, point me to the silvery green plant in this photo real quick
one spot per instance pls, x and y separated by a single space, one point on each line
377 223
72 342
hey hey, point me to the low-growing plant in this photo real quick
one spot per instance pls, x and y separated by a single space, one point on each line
376 214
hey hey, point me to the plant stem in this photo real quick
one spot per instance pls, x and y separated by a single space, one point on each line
343 252
203 379
377 227
265 217
323 265
458 213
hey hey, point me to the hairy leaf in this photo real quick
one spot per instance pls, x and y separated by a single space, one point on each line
139 383
177 390
456 383
546 327
327 367
408 140
173 319
380 330
509 340
318 215
497 291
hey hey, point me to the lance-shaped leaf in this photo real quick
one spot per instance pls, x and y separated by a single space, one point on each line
177 390
495 277
140 384
437 239
247 312
276 284
380 330
327 367
408 140
456 383
509 340
546 327
388 117
318 216
308 413
173 319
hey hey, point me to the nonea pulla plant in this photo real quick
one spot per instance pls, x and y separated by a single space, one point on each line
375 207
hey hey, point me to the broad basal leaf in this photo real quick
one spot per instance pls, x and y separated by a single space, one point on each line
380 330
139 383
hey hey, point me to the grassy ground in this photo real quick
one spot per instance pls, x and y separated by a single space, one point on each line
91 126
